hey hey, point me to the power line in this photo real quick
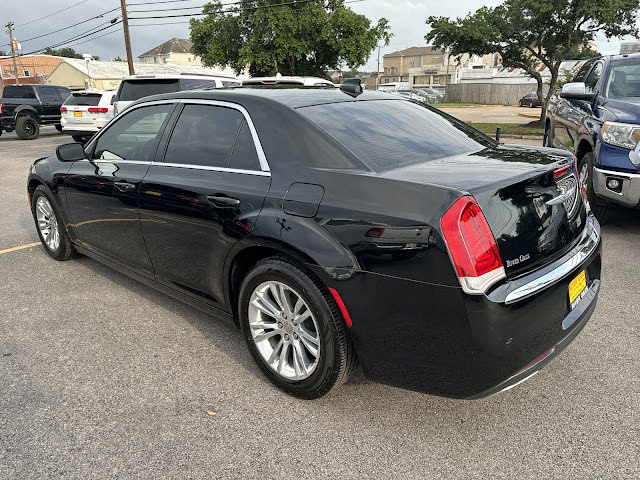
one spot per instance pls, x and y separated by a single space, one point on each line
163 1
298 2
94 38
154 24
73 39
70 26
51 14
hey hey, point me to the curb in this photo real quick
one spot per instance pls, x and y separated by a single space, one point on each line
525 137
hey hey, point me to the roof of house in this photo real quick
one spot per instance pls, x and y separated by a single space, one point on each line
571 65
415 51
108 70
175 45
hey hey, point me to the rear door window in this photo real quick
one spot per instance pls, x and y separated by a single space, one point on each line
49 95
83 99
135 89
18 92
204 135
386 134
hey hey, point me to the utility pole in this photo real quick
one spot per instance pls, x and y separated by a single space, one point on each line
127 39
13 44
378 72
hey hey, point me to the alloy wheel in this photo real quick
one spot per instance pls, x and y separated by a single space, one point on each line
47 223
584 174
284 330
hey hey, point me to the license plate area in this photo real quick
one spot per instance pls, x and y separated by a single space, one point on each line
77 114
577 289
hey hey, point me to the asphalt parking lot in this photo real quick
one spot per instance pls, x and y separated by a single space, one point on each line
103 377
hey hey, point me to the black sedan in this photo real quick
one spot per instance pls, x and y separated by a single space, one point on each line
336 228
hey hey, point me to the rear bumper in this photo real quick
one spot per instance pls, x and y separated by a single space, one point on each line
629 194
439 340
80 133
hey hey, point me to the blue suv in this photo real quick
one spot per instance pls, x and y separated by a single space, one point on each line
597 118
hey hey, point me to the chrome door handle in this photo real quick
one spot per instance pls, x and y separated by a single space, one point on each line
124 186
223 201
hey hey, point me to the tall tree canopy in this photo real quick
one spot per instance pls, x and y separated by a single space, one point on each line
303 37
528 33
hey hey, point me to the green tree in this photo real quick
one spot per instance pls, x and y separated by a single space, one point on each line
528 33
3 53
63 52
307 38
118 59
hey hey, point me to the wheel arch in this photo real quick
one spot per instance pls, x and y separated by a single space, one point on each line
584 146
245 255
26 110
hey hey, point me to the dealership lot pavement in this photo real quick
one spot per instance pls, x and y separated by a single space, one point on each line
103 377
493 114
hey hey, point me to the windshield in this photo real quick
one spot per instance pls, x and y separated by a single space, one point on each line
624 79
135 89
387 134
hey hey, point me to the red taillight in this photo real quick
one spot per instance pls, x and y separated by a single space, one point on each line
1 105
558 172
63 109
469 239
98 110
374 232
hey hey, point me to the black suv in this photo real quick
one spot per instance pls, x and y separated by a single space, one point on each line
597 118
24 108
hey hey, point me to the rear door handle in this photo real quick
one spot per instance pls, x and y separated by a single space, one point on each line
124 186
223 201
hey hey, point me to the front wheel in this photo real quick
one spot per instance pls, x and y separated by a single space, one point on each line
50 227
546 140
585 167
294 329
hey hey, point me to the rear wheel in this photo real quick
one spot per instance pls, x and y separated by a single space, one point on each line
520 103
49 224
294 330
585 168
546 140
27 127
59 128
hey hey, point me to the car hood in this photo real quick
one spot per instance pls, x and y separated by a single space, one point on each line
625 110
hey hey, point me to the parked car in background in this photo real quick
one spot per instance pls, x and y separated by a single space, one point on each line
289 80
437 95
336 227
597 118
24 108
138 86
85 112
531 100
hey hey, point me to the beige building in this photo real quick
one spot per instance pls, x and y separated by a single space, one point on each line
429 66
176 51
78 74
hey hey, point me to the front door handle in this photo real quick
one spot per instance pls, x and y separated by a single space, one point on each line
124 187
223 201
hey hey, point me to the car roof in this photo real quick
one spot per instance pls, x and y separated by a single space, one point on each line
625 56
308 81
100 92
176 76
292 97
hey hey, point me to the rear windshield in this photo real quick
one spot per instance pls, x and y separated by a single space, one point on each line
83 99
134 89
18 92
387 134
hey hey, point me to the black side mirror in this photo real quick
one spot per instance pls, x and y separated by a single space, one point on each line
70 152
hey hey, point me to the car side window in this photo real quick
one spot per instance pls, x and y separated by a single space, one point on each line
592 79
135 135
48 95
582 73
244 155
204 135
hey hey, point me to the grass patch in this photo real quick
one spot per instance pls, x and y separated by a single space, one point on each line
510 129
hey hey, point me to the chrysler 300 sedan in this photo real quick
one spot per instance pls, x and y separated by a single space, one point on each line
337 229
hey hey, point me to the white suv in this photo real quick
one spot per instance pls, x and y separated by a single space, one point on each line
85 112
138 86
286 80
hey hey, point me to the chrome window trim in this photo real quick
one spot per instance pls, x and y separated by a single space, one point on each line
592 232
116 160
264 165
211 169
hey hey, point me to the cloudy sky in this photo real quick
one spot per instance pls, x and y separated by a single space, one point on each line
38 18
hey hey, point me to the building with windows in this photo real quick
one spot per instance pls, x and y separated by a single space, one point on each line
629 46
31 68
429 66
176 51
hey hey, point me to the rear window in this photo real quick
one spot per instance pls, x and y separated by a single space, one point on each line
387 134
83 99
134 89
18 92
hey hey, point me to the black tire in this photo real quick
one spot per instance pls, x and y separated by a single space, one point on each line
600 211
546 140
65 249
27 127
531 104
520 103
337 358
79 138
59 128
